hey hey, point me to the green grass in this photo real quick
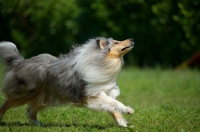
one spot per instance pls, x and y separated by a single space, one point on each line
163 100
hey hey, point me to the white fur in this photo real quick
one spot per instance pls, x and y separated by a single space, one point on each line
98 81
107 103
114 92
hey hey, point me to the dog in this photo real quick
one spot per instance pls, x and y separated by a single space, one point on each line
85 77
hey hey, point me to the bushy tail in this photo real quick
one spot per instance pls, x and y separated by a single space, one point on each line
10 54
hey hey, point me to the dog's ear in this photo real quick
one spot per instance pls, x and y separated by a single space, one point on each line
101 43
98 40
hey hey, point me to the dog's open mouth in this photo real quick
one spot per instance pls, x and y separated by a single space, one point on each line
128 47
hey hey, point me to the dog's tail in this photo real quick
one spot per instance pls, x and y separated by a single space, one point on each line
10 54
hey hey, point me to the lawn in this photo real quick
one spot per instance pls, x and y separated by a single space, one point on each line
163 100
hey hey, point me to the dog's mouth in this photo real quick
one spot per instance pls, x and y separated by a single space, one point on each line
128 47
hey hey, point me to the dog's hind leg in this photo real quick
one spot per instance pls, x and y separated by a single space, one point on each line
5 106
9 103
32 112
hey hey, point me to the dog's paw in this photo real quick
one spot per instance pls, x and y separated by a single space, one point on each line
35 122
122 122
129 110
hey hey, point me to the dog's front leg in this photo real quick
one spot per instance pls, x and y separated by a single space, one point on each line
107 103
117 116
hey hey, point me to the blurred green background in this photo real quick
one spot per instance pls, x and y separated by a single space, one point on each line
166 32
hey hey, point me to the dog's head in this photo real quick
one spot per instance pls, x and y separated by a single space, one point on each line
115 48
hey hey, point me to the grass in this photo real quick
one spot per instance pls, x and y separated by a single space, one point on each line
164 100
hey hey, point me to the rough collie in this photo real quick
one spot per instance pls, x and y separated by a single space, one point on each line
85 77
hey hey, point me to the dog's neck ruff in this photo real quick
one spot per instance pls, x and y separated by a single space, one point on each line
99 74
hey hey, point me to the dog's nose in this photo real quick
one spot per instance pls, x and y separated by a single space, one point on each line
131 39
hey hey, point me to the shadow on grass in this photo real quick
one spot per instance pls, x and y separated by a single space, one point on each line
99 127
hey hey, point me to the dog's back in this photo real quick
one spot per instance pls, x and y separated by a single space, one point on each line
24 75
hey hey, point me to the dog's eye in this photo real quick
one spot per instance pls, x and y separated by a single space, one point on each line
116 43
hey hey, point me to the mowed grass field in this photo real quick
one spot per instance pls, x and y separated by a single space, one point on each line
163 100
